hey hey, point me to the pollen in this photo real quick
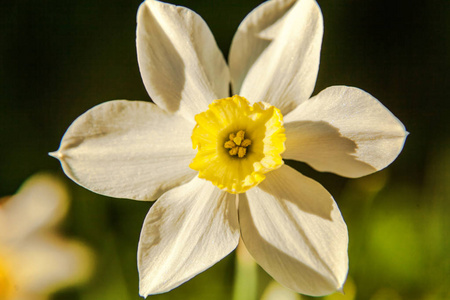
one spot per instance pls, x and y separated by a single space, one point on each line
237 144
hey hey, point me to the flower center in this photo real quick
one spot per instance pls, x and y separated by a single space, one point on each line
237 143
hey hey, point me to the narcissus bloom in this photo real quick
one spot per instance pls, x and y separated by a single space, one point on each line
34 260
216 162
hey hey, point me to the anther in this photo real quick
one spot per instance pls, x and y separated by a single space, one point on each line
246 143
229 145
239 137
237 144
233 151
241 152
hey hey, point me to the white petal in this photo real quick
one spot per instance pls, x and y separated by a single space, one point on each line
344 130
128 149
180 63
40 203
274 56
187 230
294 230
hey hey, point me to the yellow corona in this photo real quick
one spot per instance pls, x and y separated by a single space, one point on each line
237 143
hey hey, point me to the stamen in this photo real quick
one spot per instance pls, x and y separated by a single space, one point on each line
230 145
237 144
246 143
239 137
233 151
241 152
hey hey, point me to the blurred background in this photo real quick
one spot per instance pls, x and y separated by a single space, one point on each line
60 58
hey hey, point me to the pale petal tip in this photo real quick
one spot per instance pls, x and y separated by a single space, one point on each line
145 291
341 289
143 295
56 154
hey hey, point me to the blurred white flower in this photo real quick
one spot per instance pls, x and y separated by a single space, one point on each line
275 291
236 183
34 259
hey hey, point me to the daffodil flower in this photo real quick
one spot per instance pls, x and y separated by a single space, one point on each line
35 260
216 162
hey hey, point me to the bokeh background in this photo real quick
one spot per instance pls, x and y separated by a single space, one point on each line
60 58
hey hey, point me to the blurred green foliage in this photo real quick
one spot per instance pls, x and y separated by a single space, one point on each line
58 59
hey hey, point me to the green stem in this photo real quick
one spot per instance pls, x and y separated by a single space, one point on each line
246 275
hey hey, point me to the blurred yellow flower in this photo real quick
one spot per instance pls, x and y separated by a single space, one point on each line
139 150
34 259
